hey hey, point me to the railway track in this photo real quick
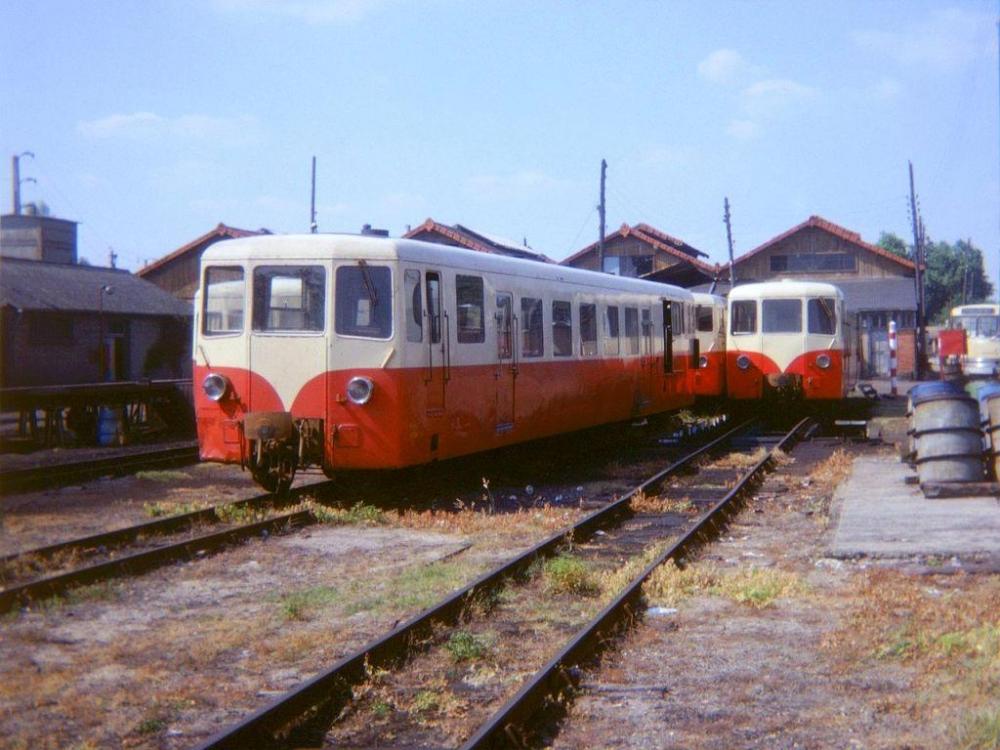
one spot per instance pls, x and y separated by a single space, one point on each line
304 715
35 477
106 543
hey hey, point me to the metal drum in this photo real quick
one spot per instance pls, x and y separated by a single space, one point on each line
991 402
983 391
948 437
938 387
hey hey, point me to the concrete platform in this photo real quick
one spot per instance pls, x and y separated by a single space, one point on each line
882 516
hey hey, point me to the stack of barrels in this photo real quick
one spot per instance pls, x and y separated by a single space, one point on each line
954 433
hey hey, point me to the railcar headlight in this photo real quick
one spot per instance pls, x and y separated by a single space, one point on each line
702 361
359 390
743 362
823 360
216 386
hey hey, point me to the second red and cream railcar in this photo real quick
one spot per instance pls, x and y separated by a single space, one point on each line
786 338
708 377
352 352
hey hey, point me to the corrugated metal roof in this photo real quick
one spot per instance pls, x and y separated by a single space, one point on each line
35 285
879 294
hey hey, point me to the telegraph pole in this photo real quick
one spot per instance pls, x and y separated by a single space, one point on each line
312 200
601 208
16 178
729 239
918 252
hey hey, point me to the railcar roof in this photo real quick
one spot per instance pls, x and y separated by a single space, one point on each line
314 247
704 298
785 288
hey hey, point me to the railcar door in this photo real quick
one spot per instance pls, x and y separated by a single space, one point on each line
436 373
506 362
288 345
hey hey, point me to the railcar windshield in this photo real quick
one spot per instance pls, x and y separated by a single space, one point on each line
223 295
744 314
782 315
364 301
288 298
823 315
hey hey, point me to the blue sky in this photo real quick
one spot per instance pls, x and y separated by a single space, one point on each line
153 121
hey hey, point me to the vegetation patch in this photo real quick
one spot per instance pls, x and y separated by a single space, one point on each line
164 476
160 509
300 605
757 587
359 514
466 646
834 469
567 574
414 589
468 520
643 503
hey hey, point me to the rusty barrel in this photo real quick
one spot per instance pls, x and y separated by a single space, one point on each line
949 439
990 399
918 391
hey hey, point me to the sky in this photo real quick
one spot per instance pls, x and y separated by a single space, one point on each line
151 122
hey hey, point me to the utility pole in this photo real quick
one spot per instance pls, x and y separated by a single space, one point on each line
112 257
601 209
16 178
312 200
918 251
729 239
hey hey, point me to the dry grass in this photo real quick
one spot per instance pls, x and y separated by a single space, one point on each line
756 587
949 637
835 469
738 460
520 523
643 503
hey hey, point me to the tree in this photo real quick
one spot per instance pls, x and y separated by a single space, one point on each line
894 244
955 275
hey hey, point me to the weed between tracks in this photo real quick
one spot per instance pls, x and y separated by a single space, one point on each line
758 587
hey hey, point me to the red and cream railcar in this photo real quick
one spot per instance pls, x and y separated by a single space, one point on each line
786 338
355 352
708 378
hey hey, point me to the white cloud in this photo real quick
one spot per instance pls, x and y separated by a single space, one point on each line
517 183
774 97
149 126
948 38
723 66
743 130
314 12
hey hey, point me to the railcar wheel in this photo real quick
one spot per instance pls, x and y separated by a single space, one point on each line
272 465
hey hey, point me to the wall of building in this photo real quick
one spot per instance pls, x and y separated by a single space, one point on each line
629 246
179 277
818 241
34 237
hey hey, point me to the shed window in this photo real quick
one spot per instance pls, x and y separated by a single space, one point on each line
813 262
532 328
822 313
631 330
562 329
612 345
288 298
588 330
223 303
469 299
364 301
744 313
782 315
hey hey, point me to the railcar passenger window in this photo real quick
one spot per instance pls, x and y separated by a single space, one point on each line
364 301
469 300
532 330
744 316
562 329
677 318
823 315
703 314
505 334
433 281
612 345
288 298
588 330
414 305
782 315
631 330
223 302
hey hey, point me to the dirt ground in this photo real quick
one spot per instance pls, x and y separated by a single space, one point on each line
805 652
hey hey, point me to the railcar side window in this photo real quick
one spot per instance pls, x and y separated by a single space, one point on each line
433 281
289 298
823 315
612 345
744 316
631 330
703 314
469 299
225 291
532 330
782 315
364 301
677 318
588 330
414 305
562 329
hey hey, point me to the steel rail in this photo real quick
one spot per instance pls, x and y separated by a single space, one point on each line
140 562
327 692
507 726
169 525
16 480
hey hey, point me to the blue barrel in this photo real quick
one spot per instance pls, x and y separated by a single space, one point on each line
109 426
924 390
949 439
